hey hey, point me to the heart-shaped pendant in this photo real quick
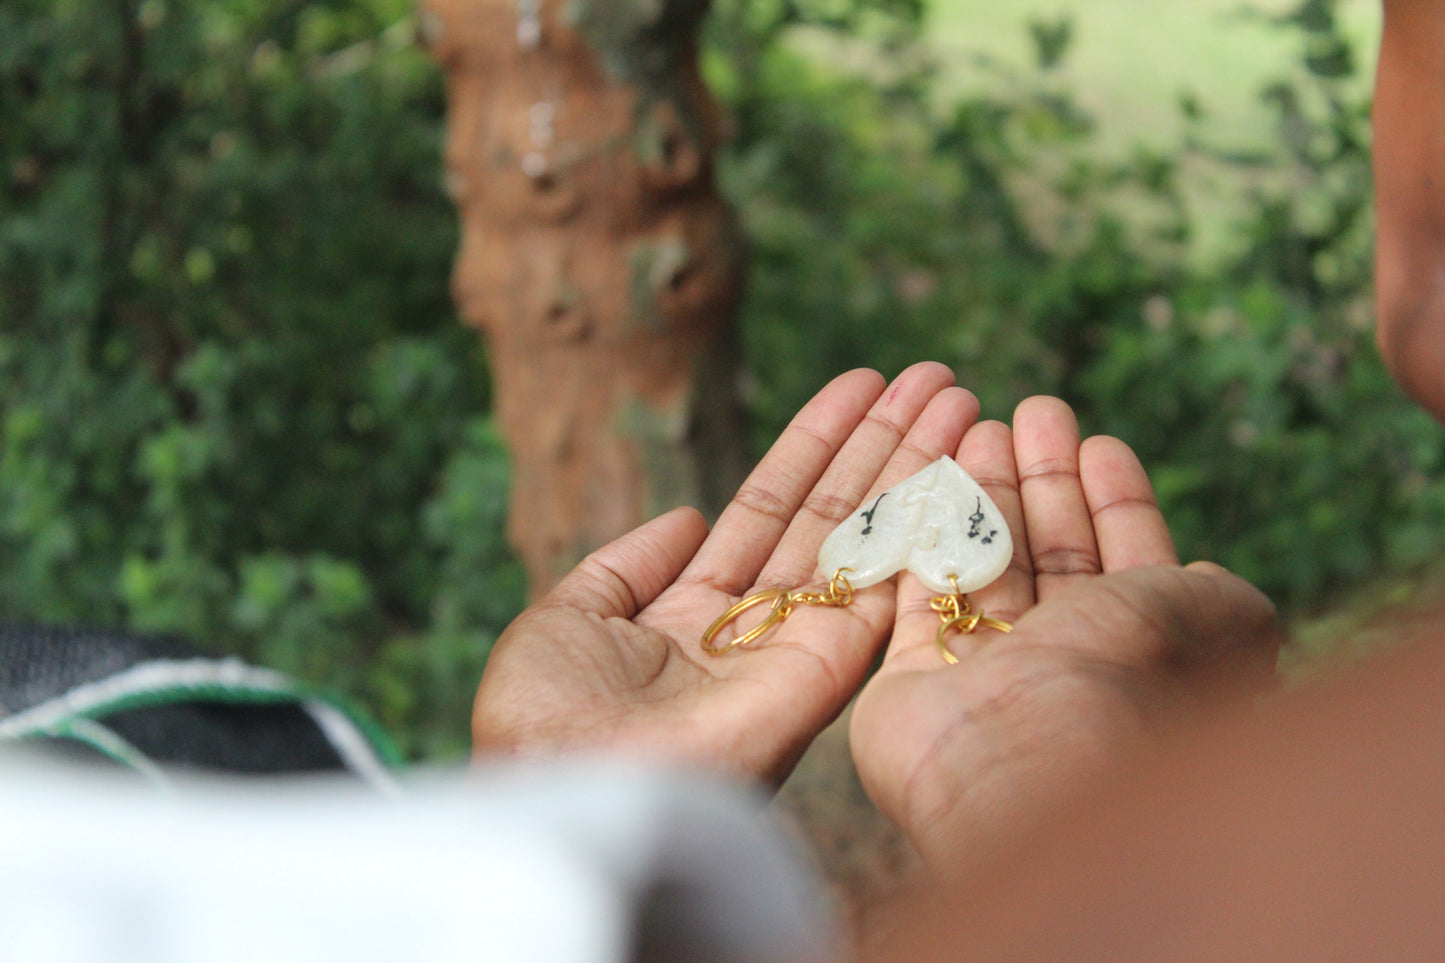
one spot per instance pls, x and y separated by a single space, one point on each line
939 524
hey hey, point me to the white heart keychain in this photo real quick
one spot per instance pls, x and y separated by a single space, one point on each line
939 524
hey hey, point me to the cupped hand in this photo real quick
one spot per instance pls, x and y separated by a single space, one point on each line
612 657
1112 639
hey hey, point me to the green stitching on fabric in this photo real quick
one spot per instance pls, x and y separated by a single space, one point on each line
246 685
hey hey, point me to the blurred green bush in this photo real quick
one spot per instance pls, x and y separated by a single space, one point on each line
235 402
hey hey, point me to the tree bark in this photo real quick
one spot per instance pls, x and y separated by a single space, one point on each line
597 258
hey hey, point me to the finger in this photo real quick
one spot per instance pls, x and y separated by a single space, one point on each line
1061 539
622 577
938 431
837 479
748 530
1128 525
1185 621
1258 634
987 454
858 475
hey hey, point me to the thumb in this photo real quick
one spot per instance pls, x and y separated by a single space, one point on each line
1232 624
1199 619
624 576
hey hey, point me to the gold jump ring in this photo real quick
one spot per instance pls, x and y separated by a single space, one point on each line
967 622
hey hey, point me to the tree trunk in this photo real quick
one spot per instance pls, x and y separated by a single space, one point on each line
597 258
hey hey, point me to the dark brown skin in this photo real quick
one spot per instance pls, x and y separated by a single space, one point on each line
1409 153
1310 830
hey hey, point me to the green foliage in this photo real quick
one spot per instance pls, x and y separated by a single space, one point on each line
995 236
236 402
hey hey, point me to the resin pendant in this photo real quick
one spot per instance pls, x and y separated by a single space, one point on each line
940 525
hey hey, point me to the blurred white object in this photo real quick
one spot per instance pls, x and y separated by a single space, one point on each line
588 861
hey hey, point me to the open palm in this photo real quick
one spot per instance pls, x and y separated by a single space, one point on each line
1111 636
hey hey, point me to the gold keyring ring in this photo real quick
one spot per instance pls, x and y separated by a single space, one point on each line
782 606
993 623
967 623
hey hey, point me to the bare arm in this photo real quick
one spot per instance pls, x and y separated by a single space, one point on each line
1312 830
1409 153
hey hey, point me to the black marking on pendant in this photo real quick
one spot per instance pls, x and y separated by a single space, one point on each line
977 519
868 515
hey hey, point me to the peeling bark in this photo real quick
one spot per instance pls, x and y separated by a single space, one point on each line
597 259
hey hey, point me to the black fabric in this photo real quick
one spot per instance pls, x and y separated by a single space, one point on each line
40 663
279 738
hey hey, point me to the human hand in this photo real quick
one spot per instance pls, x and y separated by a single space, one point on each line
612 657
1111 639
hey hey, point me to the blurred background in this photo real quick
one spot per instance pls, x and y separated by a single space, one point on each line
237 403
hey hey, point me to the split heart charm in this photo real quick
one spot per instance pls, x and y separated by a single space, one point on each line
939 524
